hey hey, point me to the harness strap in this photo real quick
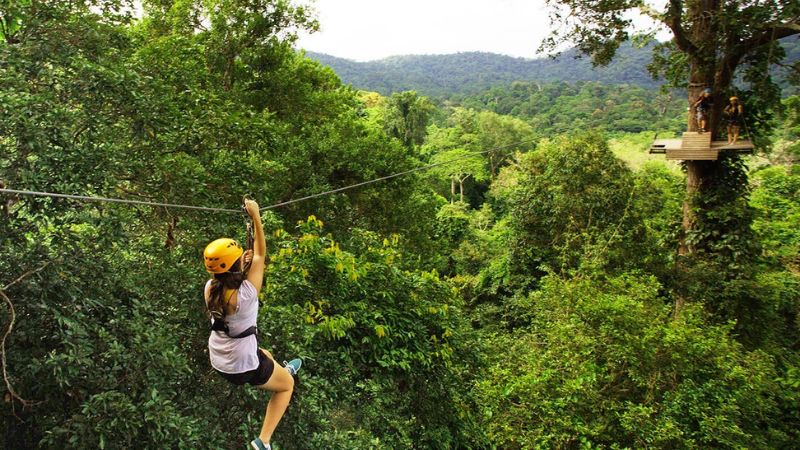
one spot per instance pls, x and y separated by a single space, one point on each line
218 324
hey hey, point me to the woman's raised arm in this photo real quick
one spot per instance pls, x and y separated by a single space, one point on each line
256 274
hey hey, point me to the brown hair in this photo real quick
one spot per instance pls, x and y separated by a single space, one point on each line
231 279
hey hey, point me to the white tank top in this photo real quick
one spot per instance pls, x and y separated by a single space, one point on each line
230 355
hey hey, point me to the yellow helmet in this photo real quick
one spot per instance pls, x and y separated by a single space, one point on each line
734 98
221 255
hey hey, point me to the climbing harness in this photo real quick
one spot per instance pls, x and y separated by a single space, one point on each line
218 324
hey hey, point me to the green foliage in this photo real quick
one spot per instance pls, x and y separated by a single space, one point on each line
776 199
202 102
453 223
458 165
573 209
603 365
478 144
560 107
381 344
468 73
791 125
117 378
659 201
12 15
407 116
721 230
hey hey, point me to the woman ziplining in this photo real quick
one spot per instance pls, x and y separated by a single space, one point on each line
231 297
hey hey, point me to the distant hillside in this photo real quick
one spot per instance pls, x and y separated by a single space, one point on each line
465 73
474 72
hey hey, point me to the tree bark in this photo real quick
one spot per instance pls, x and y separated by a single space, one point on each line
701 76
703 57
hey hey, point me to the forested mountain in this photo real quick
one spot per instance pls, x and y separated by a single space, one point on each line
471 72
559 107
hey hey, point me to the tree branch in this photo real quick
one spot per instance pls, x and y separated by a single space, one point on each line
9 387
26 275
672 19
771 34
793 68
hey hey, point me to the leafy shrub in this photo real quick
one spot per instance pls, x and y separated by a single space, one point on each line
605 365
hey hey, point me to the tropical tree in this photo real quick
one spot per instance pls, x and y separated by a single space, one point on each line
712 40
500 136
602 364
572 210
459 165
407 116
791 126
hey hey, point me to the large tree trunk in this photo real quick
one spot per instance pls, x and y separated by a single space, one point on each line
701 76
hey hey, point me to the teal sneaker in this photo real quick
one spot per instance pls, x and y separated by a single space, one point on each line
258 444
293 366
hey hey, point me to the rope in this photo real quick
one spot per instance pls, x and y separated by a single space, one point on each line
772 46
746 129
395 175
115 200
239 211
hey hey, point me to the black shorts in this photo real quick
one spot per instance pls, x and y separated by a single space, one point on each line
257 376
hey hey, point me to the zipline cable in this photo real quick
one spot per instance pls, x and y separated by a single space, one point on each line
115 200
395 175
277 205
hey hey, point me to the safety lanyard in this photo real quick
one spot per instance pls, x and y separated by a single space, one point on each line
248 244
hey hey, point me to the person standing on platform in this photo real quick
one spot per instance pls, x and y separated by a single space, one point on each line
702 107
734 113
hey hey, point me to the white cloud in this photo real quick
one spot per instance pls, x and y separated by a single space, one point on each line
372 29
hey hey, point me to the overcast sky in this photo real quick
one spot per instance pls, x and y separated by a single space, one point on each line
372 29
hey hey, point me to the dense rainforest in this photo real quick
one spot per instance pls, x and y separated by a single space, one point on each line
470 73
525 290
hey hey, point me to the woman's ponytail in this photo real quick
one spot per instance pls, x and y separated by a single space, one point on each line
231 279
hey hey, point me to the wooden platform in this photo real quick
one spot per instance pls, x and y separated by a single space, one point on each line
697 147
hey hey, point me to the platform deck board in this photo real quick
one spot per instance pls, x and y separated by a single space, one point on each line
697 146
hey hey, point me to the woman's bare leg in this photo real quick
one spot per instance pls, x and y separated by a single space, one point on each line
281 384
